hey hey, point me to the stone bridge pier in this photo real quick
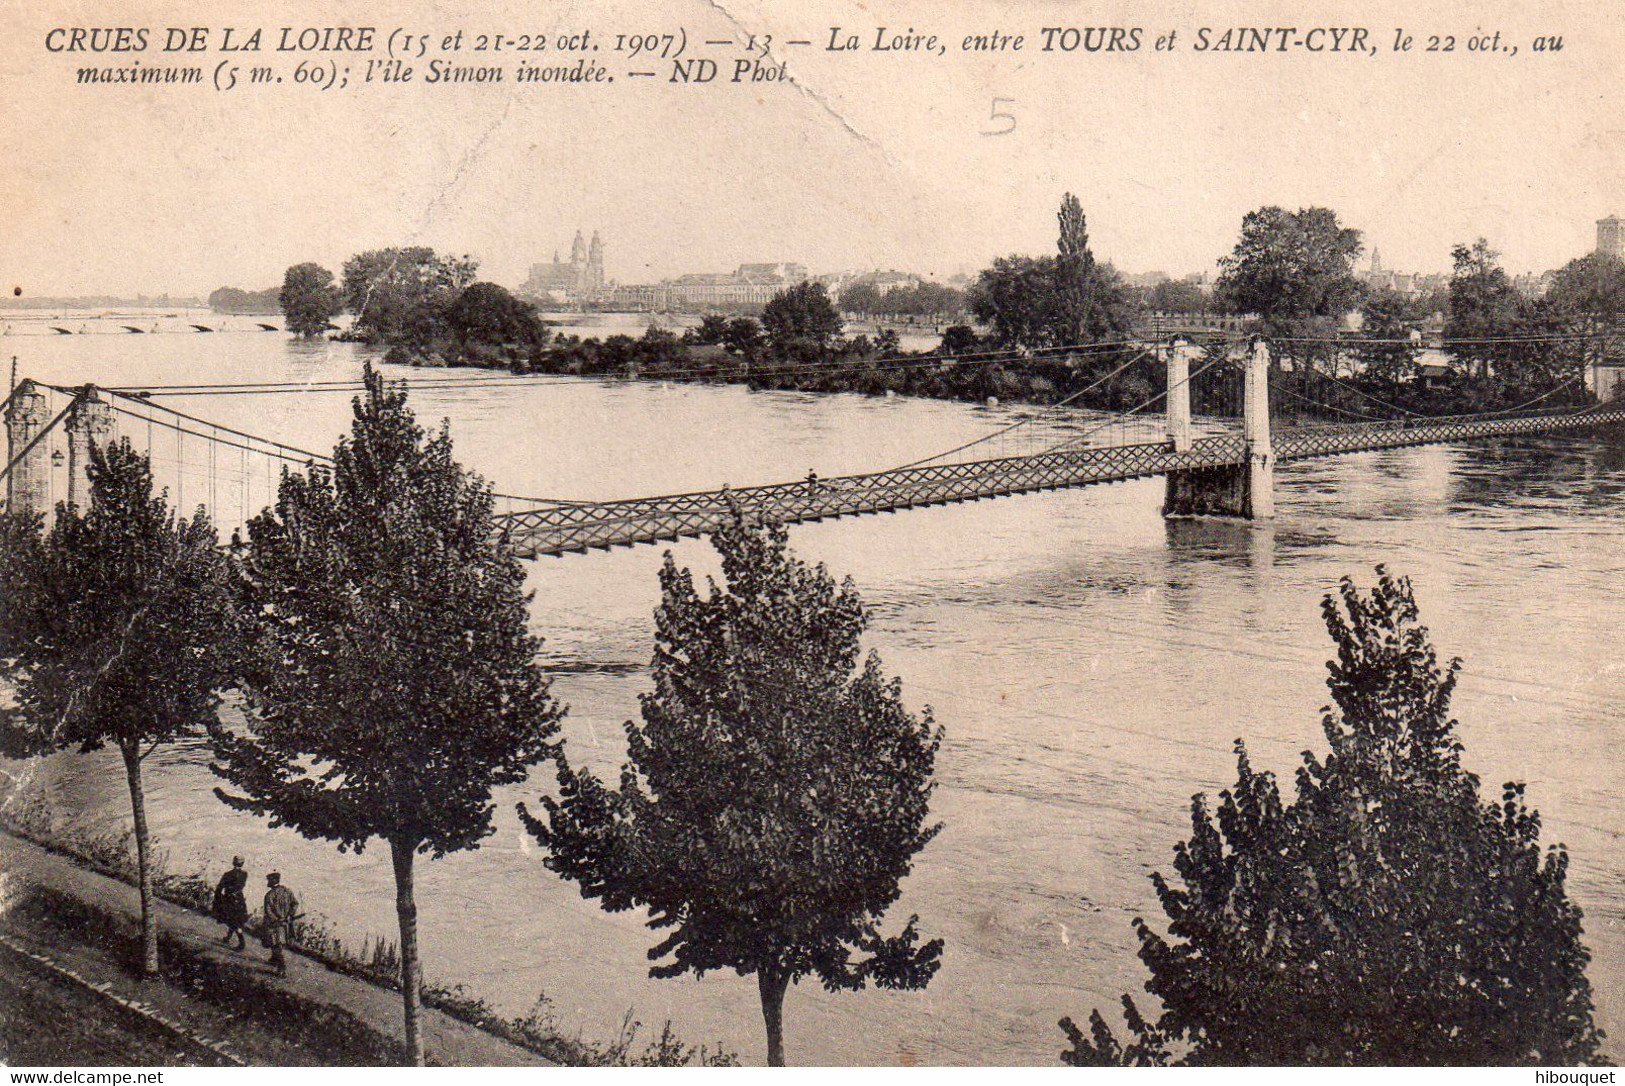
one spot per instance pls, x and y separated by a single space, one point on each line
88 422
28 485
1245 489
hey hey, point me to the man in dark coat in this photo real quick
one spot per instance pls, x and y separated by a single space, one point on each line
279 912
230 903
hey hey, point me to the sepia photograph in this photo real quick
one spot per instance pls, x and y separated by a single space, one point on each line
845 533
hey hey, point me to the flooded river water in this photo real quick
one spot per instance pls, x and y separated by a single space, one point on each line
1091 662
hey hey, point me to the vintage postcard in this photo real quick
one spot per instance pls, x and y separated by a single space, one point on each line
446 615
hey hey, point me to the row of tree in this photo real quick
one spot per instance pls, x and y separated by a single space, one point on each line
234 300
375 629
421 306
929 301
1544 338
1294 272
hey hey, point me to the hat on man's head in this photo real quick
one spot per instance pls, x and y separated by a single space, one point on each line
236 861
273 877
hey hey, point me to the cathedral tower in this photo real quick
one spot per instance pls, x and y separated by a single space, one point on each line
595 265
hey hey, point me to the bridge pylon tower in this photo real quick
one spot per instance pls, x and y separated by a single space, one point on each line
28 485
1246 489
89 422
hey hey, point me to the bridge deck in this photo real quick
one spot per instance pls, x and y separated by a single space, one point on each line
564 529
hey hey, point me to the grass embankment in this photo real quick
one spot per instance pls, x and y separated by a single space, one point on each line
196 996
50 1019
376 961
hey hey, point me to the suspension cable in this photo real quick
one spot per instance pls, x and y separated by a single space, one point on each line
1137 408
39 437
1024 422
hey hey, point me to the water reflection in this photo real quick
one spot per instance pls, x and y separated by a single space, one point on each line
1584 476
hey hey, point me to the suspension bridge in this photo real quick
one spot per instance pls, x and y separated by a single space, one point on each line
1218 460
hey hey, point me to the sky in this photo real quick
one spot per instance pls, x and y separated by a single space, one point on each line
860 160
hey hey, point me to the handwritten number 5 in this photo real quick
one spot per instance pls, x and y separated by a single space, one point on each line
1009 119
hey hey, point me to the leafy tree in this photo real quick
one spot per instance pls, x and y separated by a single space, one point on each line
1385 916
713 328
801 312
1295 270
1177 296
124 636
861 297
21 555
400 296
485 318
1544 353
1588 294
959 339
1388 316
774 794
309 299
1483 306
1090 295
1017 301
932 300
391 680
743 336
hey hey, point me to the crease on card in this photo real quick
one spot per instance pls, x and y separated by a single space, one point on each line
475 151
814 96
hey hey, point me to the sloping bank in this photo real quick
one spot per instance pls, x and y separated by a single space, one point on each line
334 989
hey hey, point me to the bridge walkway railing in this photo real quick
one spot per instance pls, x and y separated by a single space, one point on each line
575 528
1299 443
563 529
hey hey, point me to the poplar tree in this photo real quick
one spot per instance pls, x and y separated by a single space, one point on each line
390 675
1386 916
774 794
1075 268
119 624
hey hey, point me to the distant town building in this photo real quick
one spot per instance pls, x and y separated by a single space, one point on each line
887 281
1611 236
782 272
1410 284
1531 285
750 286
578 281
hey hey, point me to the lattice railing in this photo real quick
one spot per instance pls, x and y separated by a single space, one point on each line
564 529
1304 442
568 528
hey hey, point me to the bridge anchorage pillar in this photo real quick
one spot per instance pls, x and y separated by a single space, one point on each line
1245 489
89 422
28 487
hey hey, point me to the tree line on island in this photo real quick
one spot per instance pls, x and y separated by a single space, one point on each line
1047 328
375 632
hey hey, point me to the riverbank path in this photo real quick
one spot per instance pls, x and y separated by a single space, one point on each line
451 1042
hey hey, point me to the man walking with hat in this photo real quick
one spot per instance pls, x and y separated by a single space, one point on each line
281 909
